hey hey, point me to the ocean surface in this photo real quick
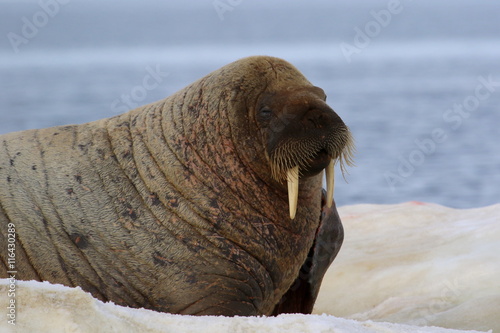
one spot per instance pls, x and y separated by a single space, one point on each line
418 82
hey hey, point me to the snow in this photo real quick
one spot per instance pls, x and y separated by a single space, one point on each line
402 268
418 264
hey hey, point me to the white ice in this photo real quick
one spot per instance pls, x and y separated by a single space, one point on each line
402 268
418 264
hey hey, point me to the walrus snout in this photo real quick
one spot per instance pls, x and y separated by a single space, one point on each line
321 118
315 118
325 131
304 137
305 132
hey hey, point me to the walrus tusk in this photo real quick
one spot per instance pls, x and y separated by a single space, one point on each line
330 182
292 176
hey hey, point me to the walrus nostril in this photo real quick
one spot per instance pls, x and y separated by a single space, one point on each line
315 118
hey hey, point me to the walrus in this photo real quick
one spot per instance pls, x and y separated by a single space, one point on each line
208 202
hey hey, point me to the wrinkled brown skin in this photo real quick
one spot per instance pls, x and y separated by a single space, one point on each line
170 206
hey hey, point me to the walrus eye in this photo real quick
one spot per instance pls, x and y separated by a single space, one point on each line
265 112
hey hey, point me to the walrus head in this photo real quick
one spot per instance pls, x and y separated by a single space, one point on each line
279 124
303 136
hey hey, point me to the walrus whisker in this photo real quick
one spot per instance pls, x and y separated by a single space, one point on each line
347 155
292 157
292 153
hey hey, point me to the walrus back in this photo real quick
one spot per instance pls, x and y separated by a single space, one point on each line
73 209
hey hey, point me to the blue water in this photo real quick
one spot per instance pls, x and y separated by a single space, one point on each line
412 91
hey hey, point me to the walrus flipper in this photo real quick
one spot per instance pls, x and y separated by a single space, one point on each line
302 294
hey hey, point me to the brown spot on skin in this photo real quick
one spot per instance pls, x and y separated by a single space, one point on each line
194 110
162 261
64 267
117 284
191 278
80 241
155 201
173 202
130 212
127 154
101 153
162 302
214 204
